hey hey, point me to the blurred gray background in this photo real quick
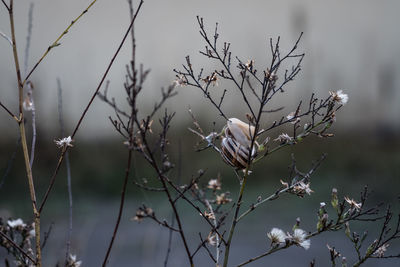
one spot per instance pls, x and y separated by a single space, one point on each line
349 45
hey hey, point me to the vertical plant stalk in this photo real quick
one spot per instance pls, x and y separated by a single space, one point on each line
235 216
131 132
68 165
163 180
23 139
172 216
29 84
121 207
61 158
216 235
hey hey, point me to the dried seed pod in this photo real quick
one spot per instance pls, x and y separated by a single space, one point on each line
235 146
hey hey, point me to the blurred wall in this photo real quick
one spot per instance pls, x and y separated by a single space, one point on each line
349 45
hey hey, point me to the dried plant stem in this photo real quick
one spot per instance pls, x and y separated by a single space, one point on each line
15 245
32 193
235 216
163 181
23 140
9 112
61 158
121 207
272 250
172 215
6 38
56 42
68 166
4 3
279 192
129 163
216 235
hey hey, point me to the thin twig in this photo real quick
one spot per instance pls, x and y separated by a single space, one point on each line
121 207
2 34
153 162
281 191
68 166
18 247
235 216
23 139
215 225
47 235
130 151
56 42
9 112
172 215
52 179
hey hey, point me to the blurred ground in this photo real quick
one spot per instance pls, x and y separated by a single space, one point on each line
352 162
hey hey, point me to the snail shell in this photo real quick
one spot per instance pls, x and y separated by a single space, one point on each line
235 146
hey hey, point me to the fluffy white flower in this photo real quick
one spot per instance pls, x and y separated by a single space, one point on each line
250 64
283 138
180 81
302 188
340 97
212 239
299 238
66 141
214 184
353 204
277 236
73 262
290 116
16 223
380 252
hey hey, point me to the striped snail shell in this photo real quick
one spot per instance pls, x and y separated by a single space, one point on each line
235 146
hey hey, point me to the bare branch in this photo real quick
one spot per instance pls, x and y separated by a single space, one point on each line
8 39
18 247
